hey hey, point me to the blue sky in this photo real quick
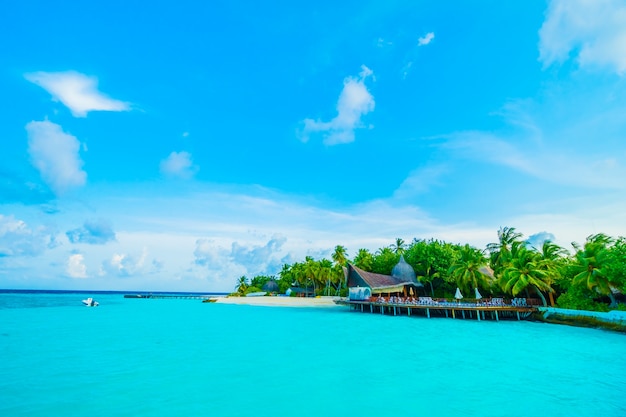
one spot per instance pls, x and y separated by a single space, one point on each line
182 145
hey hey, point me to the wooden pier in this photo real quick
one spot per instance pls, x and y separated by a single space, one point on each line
444 309
170 296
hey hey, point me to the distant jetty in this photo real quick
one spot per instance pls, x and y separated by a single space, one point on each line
162 296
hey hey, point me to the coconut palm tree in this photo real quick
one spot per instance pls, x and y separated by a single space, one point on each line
468 271
325 274
340 255
500 252
311 272
525 271
242 285
398 247
551 260
364 260
591 263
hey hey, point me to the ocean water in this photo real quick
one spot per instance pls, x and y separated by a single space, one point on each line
149 357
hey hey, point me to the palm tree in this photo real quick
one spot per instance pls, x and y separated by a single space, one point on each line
311 272
340 255
364 260
500 252
398 247
591 264
242 285
551 258
325 273
469 269
524 271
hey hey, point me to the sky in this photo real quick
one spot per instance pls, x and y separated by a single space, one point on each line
181 145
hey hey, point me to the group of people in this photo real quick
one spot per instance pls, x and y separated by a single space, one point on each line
399 300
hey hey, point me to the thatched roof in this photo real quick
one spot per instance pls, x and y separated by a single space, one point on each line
270 286
378 283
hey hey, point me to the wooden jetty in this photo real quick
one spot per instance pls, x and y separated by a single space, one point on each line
478 311
170 296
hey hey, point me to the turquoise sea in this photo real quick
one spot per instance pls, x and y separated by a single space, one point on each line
150 357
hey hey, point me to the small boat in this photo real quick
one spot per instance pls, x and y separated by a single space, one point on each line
90 302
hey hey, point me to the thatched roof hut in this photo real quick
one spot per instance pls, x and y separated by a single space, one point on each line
270 286
379 283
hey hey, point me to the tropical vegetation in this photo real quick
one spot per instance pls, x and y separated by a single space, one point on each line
592 276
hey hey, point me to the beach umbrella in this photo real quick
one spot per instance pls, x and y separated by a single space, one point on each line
478 296
458 294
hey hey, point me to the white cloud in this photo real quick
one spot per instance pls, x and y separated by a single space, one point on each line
248 258
56 155
179 165
594 30
76 266
125 265
77 91
94 232
354 102
537 240
18 239
426 39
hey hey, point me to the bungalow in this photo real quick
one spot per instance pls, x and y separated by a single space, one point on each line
401 282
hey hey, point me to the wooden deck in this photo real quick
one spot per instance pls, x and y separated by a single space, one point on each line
445 309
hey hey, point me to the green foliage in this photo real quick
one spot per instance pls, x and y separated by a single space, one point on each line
384 261
340 255
584 280
260 280
364 260
580 298
468 269
252 289
432 260
242 285
500 252
523 270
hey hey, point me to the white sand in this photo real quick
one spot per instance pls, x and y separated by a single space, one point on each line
280 301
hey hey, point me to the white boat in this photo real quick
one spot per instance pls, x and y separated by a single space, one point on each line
90 302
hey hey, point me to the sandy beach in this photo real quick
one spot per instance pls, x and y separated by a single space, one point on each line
280 301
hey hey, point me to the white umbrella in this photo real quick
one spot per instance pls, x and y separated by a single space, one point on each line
478 296
458 294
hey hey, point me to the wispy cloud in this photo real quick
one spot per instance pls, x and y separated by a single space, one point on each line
593 31
412 55
75 266
546 162
18 239
55 154
77 91
94 232
426 39
382 43
420 181
178 165
354 102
